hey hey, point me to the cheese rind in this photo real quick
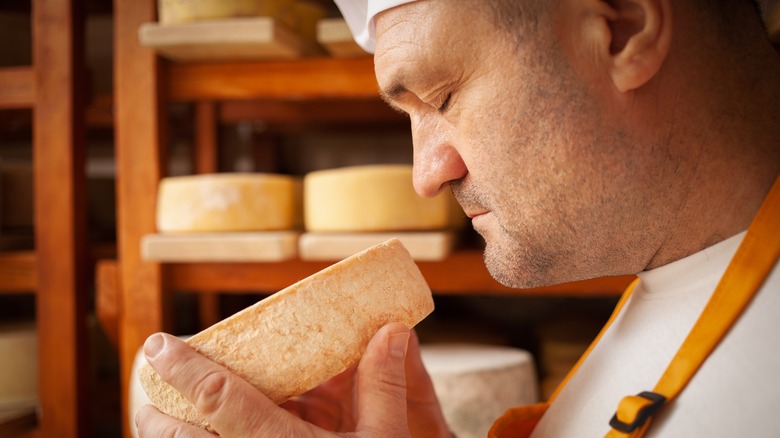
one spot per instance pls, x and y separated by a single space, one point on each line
371 198
297 338
226 202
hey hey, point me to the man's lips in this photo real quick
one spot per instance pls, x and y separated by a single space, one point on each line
474 213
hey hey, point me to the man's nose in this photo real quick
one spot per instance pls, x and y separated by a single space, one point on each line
436 161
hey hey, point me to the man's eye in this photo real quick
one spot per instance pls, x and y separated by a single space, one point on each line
443 107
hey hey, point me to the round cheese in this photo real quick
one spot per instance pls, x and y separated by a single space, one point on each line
371 198
475 383
227 202
18 366
182 11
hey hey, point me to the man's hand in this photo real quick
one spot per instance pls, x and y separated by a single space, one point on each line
388 394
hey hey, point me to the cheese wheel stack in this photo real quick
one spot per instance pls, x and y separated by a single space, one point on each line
223 217
351 208
372 199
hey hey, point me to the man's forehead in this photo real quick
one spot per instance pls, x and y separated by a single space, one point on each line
359 15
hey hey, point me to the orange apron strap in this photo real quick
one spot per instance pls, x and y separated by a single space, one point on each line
753 261
519 422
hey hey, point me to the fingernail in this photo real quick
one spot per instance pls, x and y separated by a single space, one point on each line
154 345
398 344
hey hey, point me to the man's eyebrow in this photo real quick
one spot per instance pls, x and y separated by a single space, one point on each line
392 94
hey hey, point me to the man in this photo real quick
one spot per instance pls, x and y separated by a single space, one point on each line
584 138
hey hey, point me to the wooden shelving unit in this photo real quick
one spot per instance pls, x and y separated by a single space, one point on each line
56 271
284 91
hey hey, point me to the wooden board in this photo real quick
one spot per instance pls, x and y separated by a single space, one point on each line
273 246
15 422
334 35
235 39
423 246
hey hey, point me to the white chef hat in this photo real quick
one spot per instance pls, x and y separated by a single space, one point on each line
359 15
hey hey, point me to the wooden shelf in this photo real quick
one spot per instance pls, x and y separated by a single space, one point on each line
18 272
305 79
19 269
472 278
17 87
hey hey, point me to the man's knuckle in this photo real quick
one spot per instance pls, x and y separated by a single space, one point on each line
211 390
175 431
393 383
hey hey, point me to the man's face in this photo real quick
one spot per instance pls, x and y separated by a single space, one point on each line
518 138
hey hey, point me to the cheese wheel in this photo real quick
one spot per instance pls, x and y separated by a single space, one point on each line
18 366
475 383
183 11
295 339
227 202
371 198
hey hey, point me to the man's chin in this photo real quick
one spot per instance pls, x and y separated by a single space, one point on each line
511 270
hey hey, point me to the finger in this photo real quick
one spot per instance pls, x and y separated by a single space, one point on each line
382 383
418 382
229 403
423 409
330 405
152 423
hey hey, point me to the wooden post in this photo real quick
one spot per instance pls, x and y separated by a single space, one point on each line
60 220
206 140
140 148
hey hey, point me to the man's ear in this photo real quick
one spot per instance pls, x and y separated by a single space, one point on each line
633 40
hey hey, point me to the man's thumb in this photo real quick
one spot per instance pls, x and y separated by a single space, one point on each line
382 383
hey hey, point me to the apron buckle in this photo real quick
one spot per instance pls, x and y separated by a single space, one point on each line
641 416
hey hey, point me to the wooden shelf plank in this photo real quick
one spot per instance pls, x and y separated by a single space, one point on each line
18 272
270 277
17 87
305 79
229 39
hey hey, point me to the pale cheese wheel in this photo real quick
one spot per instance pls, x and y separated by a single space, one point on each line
227 202
297 338
476 383
183 11
18 366
371 198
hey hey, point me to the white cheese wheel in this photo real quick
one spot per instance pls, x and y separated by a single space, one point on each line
476 383
371 198
227 202
18 366
183 11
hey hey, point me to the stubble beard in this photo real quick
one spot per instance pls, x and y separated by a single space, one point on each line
511 255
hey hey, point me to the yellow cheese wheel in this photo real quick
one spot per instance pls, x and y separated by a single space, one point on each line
183 11
227 202
371 198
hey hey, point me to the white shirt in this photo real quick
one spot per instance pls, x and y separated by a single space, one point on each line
735 393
